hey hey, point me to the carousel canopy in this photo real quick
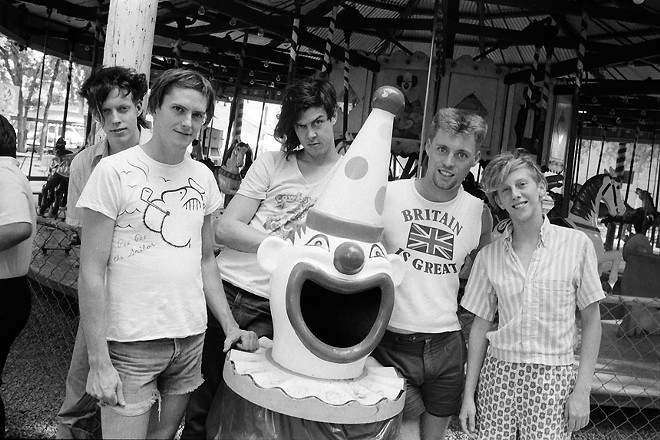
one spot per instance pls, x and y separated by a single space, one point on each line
621 50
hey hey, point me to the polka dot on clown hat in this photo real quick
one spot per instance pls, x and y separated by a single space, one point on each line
352 201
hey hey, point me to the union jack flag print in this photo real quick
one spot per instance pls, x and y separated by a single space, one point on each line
431 241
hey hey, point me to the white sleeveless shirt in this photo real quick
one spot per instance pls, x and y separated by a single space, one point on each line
434 238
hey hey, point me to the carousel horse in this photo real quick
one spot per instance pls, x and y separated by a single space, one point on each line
235 164
651 215
583 215
641 218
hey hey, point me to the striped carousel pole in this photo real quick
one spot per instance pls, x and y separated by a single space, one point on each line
293 50
237 86
238 121
620 167
328 40
347 71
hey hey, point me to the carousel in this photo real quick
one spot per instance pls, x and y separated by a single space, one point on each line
576 84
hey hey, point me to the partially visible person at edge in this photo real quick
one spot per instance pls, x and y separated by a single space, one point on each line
114 95
148 271
533 277
18 220
273 199
56 187
437 227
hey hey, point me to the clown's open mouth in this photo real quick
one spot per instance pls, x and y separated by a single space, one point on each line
336 319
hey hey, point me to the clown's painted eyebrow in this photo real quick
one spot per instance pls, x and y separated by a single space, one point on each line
319 240
376 251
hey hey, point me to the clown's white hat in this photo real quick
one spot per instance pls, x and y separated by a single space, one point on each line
351 205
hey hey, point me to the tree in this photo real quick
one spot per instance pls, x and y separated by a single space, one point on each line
49 97
20 65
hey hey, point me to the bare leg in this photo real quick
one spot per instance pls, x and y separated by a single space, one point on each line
410 429
171 412
432 427
115 425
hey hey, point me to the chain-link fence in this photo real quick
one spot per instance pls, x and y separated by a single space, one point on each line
625 393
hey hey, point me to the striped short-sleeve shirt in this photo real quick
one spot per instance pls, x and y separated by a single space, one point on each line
536 308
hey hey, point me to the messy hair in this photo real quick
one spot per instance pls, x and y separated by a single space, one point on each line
300 96
504 164
98 86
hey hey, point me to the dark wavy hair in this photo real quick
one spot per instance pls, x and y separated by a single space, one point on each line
186 79
98 86
300 96
7 138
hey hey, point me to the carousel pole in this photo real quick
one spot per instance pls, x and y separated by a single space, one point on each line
657 187
436 51
630 174
293 51
591 141
347 71
578 154
600 156
648 182
233 109
98 37
68 87
41 81
261 121
568 180
328 40
619 173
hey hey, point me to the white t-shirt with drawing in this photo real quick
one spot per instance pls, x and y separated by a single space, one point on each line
153 279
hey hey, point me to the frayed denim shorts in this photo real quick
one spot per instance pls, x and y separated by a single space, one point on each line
148 369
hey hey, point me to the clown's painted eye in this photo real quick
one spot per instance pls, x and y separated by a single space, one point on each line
376 251
319 240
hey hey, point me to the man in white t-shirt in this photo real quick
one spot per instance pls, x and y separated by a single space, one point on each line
148 269
435 225
274 197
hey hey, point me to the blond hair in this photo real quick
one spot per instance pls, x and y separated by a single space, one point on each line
504 164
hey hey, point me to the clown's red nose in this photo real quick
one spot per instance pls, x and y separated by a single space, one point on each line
349 258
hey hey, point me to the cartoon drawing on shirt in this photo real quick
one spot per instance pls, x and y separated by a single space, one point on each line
290 223
169 214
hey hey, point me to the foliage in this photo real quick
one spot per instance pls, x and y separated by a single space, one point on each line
21 66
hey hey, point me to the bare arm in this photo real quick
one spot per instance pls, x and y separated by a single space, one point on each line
577 405
76 185
484 239
103 381
477 346
233 230
216 299
12 234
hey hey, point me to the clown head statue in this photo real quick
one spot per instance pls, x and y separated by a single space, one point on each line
332 292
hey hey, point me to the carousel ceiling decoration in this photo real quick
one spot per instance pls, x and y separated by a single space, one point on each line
246 43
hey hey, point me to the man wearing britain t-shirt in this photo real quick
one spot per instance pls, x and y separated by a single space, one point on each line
435 225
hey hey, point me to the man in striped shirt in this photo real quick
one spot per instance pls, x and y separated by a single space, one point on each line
534 276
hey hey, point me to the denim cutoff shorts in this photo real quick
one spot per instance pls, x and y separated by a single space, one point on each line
148 369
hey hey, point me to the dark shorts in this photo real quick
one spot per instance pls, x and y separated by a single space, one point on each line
433 366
